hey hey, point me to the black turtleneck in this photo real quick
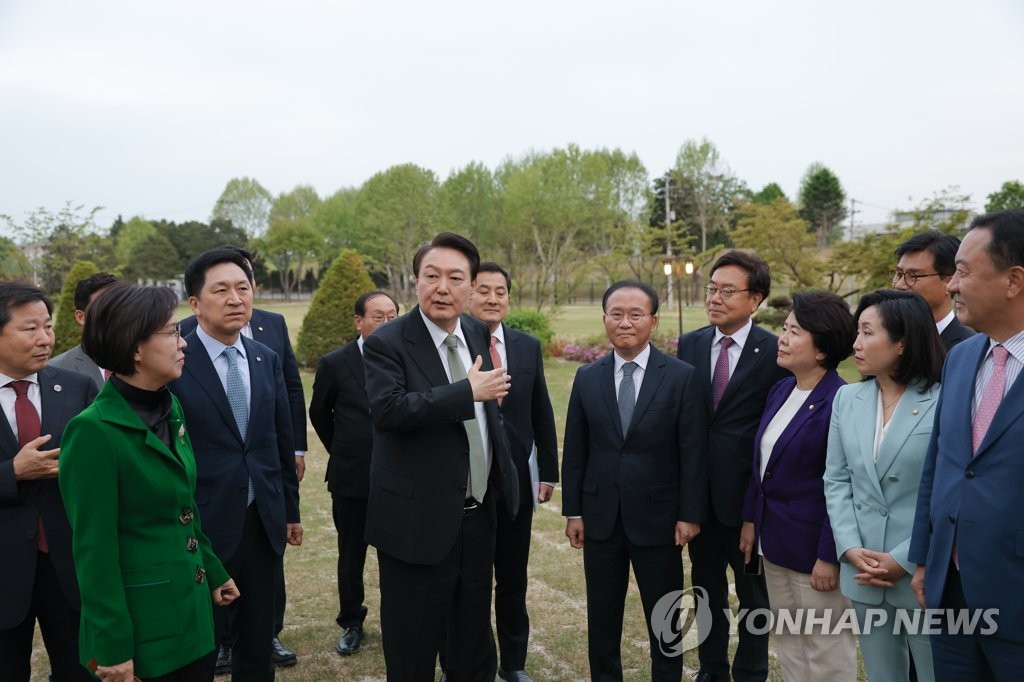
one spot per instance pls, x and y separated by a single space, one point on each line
153 407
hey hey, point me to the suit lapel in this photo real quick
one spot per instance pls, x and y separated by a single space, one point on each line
422 350
751 355
814 403
653 376
1011 410
606 380
913 408
199 365
866 417
112 407
703 367
354 360
52 407
257 384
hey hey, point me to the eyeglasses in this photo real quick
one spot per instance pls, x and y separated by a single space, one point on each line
619 316
380 319
176 332
710 290
909 277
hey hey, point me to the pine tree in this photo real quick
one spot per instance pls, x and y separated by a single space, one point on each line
66 329
328 323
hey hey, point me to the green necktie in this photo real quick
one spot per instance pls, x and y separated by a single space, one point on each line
477 455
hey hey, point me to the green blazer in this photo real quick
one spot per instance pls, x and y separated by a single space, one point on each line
138 547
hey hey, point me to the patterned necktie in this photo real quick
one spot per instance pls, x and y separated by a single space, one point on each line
496 359
477 455
627 396
28 430
992 396
721 378
235 389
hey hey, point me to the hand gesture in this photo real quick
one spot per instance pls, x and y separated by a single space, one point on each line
33 463
489 385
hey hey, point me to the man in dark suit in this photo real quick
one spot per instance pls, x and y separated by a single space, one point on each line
37 575
735 361
340 414
271 330
634 477
440 460
75 358
927 262
967 538
529 421
236 405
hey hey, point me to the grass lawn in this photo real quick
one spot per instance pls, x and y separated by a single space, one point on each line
557 604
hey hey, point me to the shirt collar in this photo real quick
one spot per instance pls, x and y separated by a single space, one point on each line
359 342
642 358
739 338
1013 345
31 378
499 334
215 348
438 335
944 322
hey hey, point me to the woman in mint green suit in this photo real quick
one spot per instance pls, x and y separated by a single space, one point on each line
876 446
147 573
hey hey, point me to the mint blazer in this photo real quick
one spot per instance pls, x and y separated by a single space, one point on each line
873 504
144 566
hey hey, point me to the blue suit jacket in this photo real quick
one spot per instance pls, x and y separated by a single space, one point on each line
654 476
787 506
974 498
225 462
871 504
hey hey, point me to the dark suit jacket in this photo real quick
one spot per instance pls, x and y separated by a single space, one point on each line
271 330
340 414
731 429
420 451
63 394
954 333
225 463
529 417
974 497
76 360
657 474
787 506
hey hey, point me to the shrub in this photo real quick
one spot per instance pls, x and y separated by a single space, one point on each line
66 330
532 322
328 323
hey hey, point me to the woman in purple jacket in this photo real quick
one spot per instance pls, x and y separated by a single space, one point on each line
786 528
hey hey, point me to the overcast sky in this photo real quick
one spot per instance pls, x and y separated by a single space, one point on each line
149 108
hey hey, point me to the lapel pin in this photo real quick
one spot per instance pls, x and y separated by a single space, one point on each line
810 407
914 411
58 388
260 328
259 359
757 350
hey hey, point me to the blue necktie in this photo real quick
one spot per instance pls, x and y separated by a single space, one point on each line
239 403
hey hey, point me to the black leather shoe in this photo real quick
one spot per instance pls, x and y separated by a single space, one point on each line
514 675
223 666
350 641
282 655
706 677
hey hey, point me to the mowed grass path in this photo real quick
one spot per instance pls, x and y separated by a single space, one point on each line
557 601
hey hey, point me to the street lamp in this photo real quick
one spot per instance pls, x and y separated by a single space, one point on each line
688 267
672 263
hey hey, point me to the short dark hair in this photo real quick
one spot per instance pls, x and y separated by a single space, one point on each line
827 317
360 306
17 294
449 240
244 252
488 266
122 317
195 271
759 277
89 286
907 317
1006 249
631 284
942 246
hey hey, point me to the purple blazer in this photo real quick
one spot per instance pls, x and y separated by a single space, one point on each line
787 506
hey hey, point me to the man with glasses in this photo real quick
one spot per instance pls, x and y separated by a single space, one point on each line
926 264
340 414
736 366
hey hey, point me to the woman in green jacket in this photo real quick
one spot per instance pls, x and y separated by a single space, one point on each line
127 473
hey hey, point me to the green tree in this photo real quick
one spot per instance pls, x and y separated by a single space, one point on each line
153 258
822 203
246 204
769 194
291 244
709 190
13 263
1009 196
779 235
66 330
193 237
328 322
136 230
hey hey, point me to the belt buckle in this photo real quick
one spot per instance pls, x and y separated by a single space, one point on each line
471 506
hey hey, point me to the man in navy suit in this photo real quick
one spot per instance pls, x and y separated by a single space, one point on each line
968 540
529 420
75 358
236 406
735 361
340 414
271 330
37 575
634 477
440 466
926 264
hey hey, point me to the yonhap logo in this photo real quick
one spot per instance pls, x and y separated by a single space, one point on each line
674 617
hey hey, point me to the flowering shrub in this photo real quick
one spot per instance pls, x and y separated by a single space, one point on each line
592 349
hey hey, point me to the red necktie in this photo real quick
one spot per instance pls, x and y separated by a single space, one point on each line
496 360
28 430
721 377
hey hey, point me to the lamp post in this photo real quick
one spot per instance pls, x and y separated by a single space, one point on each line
688 267
672 263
